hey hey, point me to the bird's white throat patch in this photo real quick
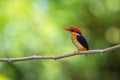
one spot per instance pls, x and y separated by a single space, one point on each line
77 34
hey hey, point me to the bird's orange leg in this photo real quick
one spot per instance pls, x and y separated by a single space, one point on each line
79 50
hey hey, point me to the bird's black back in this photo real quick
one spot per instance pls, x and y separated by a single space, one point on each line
83 41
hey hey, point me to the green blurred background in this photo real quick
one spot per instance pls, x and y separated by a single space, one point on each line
35 27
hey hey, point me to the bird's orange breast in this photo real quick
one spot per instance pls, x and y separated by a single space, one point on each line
75 41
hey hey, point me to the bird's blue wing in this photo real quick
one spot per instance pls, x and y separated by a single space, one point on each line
83 41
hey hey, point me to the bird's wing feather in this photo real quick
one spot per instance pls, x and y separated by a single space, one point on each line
83 41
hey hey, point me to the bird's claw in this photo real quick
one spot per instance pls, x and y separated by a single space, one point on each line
78 51
75 52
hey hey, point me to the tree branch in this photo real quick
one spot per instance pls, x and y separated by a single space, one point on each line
60 56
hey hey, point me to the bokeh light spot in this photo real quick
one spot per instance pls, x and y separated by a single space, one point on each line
113 35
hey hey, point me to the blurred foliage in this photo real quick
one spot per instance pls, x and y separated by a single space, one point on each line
35 27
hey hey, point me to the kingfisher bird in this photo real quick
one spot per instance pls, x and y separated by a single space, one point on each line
78 39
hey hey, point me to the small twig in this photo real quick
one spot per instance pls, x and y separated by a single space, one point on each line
60 56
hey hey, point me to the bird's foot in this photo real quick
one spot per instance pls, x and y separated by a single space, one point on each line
75 52
79 50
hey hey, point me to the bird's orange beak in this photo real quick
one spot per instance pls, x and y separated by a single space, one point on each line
67 29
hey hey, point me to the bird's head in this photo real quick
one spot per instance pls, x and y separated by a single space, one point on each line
74 29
